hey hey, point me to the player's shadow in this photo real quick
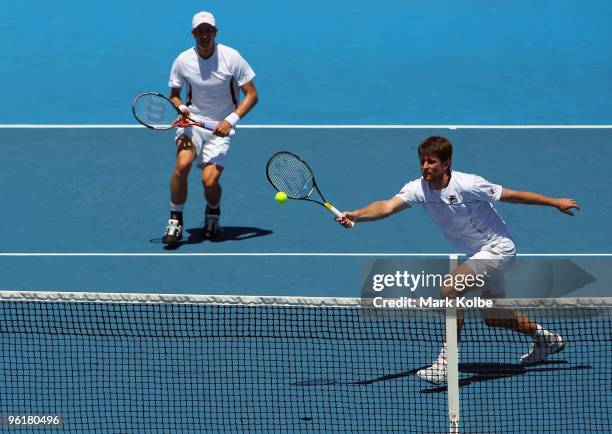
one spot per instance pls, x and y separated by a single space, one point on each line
229 233
480 372
495 371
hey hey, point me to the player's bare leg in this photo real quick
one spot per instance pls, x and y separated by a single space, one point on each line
212 192
185 155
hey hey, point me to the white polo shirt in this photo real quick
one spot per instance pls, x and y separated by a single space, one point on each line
463 210
209 81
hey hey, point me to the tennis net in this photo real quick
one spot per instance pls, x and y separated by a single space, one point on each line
179 363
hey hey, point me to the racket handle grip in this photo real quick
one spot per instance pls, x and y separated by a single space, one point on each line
211 125
333 209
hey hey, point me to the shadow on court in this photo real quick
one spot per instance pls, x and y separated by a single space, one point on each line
229 233
481 372
496 371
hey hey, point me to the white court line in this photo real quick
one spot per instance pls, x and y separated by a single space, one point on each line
295 126
276 254
271 254
69 126
428 126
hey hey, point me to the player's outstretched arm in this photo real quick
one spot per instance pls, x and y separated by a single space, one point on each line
528 198
374 211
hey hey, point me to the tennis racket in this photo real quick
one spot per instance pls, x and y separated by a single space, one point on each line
156 111
289 173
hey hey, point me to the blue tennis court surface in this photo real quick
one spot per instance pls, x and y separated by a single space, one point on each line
465 62
352 88
187 365
105 191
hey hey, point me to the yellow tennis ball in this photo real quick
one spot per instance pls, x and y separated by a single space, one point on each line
281 197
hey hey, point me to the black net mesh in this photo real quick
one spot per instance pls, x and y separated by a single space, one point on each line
172 367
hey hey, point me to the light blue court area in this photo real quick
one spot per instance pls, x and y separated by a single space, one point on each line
345 62
105 191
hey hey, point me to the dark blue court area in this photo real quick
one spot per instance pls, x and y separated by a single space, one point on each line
105 191
176 367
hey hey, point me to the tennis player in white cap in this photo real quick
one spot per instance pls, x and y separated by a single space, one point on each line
212 76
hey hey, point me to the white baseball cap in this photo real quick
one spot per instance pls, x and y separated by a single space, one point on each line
203 18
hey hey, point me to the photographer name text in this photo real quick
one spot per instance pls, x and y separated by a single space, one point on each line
431 302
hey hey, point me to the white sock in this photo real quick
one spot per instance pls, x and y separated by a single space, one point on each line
176 208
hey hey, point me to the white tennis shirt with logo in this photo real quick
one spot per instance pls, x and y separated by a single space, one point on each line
463 210
209 81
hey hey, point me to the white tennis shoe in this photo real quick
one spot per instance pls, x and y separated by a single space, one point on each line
543 345
437 372
174 232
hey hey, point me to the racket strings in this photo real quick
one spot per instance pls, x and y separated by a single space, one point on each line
291 175
155 111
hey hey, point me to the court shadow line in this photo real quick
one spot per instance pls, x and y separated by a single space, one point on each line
229 233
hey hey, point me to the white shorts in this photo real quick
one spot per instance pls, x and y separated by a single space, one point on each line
492 262
209 147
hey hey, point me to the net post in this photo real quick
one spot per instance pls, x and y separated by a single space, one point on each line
452 358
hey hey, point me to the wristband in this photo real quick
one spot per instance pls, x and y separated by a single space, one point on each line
183 109
232 118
